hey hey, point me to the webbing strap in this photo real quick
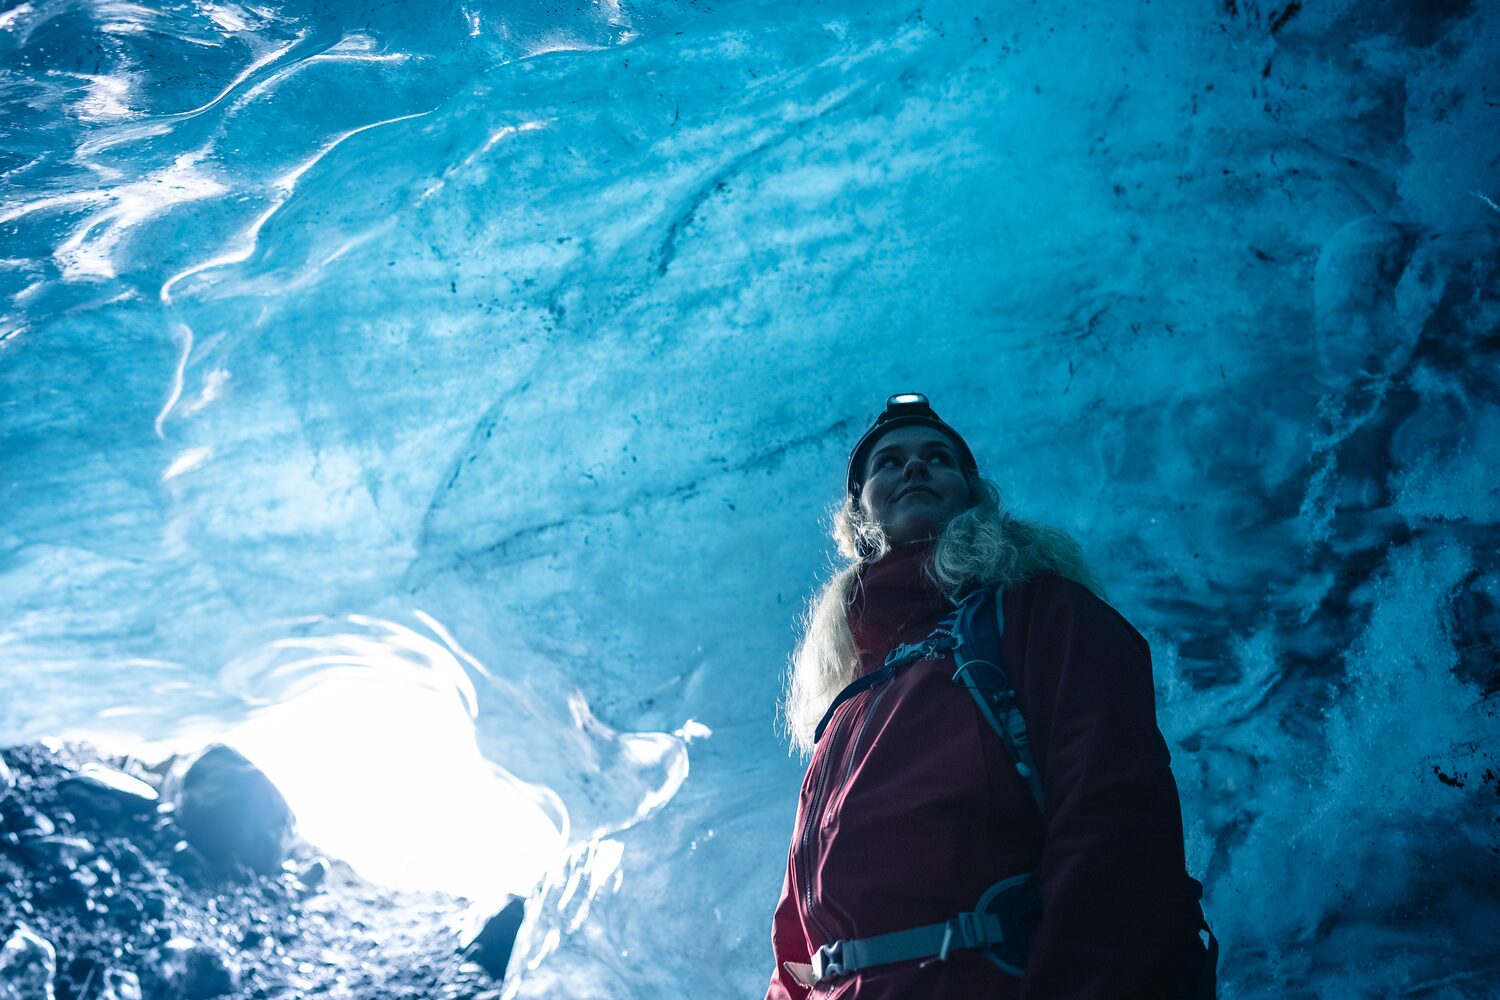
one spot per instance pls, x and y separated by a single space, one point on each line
897 659
980 626
885 673
997 703
936 941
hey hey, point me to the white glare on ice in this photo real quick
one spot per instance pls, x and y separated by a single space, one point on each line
188 460
105 98
374 748
227 16
244 74
9 17
213 386
89 251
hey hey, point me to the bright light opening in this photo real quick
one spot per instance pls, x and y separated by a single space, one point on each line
374 748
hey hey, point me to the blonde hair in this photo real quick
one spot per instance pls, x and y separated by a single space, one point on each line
985 546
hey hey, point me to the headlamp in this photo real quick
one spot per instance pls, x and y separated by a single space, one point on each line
904 409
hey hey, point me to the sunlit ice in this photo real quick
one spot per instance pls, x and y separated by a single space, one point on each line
372 742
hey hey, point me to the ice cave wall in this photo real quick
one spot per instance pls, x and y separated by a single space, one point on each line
555 324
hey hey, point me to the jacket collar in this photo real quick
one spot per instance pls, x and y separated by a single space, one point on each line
895 601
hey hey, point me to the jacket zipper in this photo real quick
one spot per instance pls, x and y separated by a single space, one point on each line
813 821
865 724
815 812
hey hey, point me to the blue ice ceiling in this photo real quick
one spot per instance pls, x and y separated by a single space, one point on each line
527 341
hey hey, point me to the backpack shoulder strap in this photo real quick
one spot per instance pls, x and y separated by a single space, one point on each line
978 627
980 669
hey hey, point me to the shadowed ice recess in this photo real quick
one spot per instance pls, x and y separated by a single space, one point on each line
442 401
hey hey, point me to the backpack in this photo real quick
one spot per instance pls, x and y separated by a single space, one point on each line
1004 920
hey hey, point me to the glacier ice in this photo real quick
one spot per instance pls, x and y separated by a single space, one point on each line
539 333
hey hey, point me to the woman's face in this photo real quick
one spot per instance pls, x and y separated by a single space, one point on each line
913 484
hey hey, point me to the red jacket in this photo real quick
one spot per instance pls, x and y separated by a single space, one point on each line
911 807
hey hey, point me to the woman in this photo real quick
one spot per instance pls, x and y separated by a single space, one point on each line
913 806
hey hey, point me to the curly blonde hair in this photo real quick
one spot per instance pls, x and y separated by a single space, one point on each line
984 546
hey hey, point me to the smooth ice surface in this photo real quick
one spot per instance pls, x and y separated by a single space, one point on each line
527 341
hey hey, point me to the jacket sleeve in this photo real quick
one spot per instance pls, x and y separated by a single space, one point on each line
1115 905
788 944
